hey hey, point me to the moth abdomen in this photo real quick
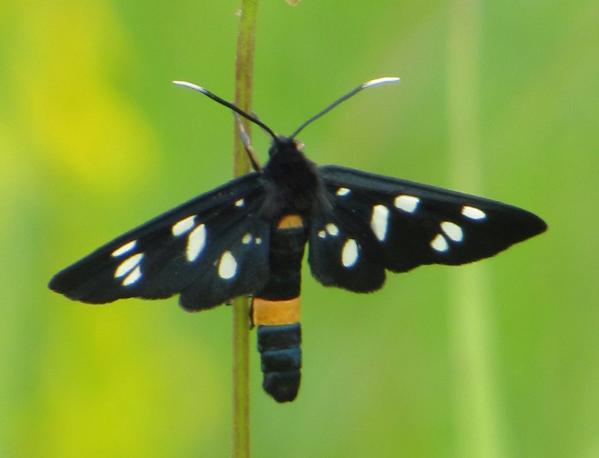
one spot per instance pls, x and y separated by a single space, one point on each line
279 347
276 311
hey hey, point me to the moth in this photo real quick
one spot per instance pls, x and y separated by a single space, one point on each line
248 237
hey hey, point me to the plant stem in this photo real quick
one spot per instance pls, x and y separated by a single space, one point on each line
241 379
479 431
243 99
244 77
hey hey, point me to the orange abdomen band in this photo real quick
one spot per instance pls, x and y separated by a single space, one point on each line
274 313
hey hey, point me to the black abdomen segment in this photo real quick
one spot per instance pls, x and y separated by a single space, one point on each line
276 312
281 355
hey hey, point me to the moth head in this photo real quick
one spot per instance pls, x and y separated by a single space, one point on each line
285 145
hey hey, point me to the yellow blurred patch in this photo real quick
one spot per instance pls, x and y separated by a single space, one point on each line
70 108
122 391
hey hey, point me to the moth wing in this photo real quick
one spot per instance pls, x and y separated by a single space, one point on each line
399 225
201 249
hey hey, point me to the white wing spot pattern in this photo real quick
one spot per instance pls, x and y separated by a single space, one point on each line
322 234
343 191
240 203
132 277
453 231
227 266
332 229
247 239
183 226
128 265
379 221
196 242
258 241
439 243
406 203
349 253
124 249
473 212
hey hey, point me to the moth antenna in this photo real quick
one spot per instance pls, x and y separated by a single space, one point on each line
233 107
366 85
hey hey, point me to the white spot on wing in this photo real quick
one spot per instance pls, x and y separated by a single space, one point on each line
473 212
407 203
183 226
322 234
132 277
332 229
124 249
439 243
227 267
379 221
258 241
247 238
196 242
453 231
349 254
343 191
240 203
128 265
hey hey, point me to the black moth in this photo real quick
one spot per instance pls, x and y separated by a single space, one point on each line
247 237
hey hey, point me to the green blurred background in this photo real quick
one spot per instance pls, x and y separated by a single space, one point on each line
498 359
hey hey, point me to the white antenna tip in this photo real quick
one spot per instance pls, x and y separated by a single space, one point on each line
380 81
189 85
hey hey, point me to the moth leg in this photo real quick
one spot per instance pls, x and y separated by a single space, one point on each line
251 313
245 140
